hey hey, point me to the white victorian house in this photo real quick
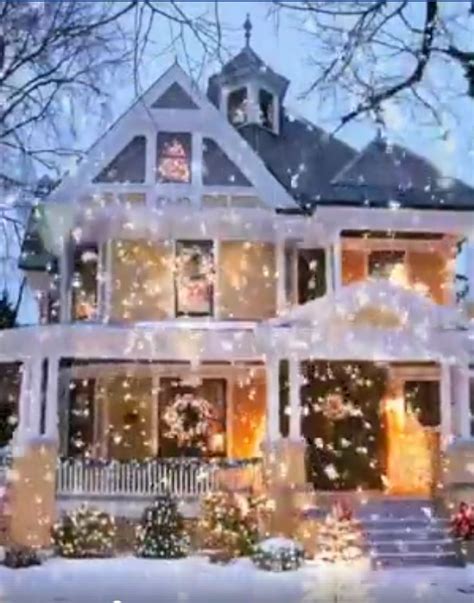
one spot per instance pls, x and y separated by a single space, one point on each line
218 274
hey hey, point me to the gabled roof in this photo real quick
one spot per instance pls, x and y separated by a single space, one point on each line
384 173
303 158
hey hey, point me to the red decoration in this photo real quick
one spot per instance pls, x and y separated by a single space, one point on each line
462 522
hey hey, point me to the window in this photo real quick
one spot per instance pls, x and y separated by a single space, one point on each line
424 399
173 157
386 264
237 107
267 109
311 274
471 406
183 432
84 282
290 273
10 380
81 417
218 169
128 165
194 276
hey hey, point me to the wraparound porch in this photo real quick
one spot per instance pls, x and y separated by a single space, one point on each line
380 327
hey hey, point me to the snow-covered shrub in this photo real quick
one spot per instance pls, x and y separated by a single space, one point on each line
17 557
161 533
85 532
278 555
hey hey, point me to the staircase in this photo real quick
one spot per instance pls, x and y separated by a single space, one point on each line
403 532
407 532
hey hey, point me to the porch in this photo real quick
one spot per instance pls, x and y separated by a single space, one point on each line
98 392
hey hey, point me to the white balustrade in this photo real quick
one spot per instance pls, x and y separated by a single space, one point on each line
184 479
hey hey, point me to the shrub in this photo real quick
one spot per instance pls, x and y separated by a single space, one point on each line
278 555
17 557
86 532
462 523
161 534
229 524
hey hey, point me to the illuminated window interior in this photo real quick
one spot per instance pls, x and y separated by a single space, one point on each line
237 107
173 157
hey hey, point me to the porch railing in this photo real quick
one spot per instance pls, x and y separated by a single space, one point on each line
183 478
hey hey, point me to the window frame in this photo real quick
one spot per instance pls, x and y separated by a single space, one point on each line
271 127
228 97
212 294
164 136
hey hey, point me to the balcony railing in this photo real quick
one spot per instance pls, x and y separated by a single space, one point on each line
183 478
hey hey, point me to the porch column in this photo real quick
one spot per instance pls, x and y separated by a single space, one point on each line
446 410
34 393
52 392
461 400
64 265
295 399
280 269
273 399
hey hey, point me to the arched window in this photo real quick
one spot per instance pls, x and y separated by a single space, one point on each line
174 157
237 107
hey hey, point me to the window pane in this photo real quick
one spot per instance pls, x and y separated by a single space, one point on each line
237 107
267 109
81 417
290 275
173 157
384 264
423 398
471 396
194 278
10 380
311 274
84 282
128 165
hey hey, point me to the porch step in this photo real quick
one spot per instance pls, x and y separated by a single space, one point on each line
404 532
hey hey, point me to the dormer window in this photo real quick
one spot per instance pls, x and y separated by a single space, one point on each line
266 102
237 107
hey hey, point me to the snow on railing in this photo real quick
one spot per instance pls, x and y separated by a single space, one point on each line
183 478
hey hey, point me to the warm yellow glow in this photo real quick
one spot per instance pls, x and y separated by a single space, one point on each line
410 451
399 277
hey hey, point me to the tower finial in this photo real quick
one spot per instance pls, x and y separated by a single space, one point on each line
248 30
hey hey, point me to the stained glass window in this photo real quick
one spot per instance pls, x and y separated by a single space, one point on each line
173 157
194 278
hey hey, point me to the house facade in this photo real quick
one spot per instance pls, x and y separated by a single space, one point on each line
219 276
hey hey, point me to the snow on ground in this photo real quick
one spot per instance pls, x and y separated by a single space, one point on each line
194 580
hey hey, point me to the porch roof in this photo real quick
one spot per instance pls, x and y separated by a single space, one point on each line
373 320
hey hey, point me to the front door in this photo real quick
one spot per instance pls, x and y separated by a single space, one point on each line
343 424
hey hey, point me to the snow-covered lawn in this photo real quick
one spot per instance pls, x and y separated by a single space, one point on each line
194 580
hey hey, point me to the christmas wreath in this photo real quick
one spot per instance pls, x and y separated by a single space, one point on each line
188 420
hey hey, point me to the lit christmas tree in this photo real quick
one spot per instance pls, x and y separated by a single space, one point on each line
229 525
84 533
339 537
161 533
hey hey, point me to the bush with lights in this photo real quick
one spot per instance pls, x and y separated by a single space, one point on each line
229 525
161 534
278 555
85 532
462 522
339 537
